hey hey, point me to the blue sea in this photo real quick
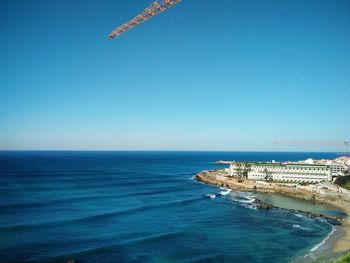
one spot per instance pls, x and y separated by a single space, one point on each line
142 207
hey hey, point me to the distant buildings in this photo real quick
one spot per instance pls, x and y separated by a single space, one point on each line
338 166
308 171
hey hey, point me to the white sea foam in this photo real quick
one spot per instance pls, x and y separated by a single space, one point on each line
249 206
299 215
247 201
246 198
211 196
226 192
323 241
300 227
321 248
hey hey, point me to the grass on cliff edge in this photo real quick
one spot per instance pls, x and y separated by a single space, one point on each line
343 181
338 257
345 259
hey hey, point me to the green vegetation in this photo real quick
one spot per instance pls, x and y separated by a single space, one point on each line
243 169
338 257
247 168
345 259
343 181
268 176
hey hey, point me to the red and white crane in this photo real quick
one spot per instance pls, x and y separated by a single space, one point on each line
152 10
313 142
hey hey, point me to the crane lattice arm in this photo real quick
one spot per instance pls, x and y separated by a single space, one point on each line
323 143
153 9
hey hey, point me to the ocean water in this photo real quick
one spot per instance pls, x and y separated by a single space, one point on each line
141 207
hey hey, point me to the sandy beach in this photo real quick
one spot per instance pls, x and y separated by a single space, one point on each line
322 192
344 242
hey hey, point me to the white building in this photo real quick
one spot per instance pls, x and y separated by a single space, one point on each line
338 169
284 172
338 166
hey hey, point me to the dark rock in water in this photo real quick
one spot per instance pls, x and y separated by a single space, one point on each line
71 261
262 205
334 220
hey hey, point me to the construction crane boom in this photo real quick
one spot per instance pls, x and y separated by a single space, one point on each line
152 10
322 143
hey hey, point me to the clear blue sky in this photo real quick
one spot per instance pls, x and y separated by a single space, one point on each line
204 75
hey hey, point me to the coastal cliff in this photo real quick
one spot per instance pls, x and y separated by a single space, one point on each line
321 192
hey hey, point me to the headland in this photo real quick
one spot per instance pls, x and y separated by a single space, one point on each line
325 192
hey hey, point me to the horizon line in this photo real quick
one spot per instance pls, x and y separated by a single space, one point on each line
158 150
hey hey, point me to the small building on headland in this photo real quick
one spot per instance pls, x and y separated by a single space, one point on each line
285 172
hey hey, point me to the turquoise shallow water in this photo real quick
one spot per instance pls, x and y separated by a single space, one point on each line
140 207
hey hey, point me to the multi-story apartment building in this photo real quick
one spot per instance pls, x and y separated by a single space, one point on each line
338 169
284 172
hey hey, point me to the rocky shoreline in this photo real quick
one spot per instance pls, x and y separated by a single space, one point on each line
325 193
333 220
